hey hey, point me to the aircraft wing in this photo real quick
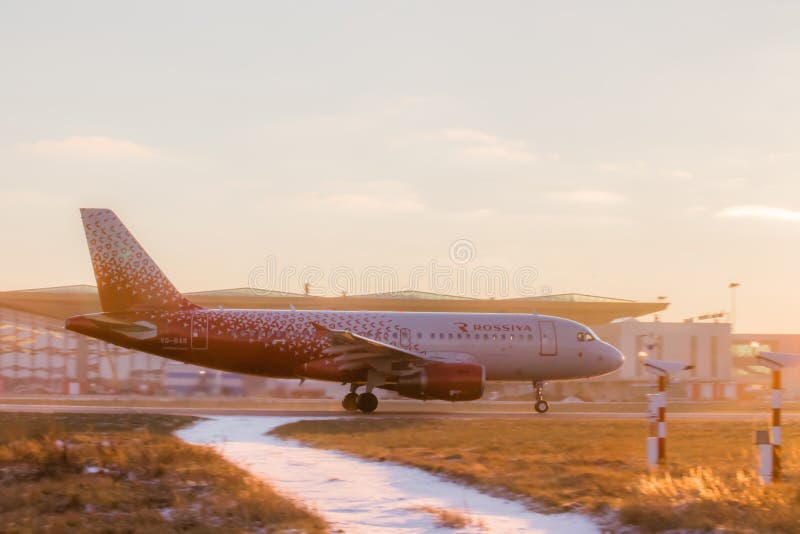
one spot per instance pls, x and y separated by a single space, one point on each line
350 351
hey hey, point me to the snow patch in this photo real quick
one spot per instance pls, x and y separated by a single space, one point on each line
360 496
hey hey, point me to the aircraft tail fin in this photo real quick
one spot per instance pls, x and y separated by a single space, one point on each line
127 278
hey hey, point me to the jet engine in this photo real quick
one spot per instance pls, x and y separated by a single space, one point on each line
445 381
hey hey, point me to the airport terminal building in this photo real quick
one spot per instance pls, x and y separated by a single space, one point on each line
37 356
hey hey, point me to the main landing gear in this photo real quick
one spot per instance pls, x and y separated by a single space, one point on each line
541 405
365 402
349 402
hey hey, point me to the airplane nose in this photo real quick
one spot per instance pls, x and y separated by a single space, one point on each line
615 357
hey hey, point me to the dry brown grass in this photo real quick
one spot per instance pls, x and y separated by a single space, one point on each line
127 473
590 465
454 519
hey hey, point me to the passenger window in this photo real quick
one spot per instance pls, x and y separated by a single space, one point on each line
433 336
441 335
511 337
503 337
450 336
494 337
458 336
485 336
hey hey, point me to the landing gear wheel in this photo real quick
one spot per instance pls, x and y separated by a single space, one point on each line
349 402
541 405
367 402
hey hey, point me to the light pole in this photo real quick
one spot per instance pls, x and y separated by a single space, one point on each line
732 286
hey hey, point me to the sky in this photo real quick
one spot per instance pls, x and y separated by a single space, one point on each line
624 149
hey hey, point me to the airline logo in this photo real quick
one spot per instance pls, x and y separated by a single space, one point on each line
487 327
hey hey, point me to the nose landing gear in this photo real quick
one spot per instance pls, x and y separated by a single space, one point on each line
541 405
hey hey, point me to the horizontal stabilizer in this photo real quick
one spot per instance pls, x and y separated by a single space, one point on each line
137 330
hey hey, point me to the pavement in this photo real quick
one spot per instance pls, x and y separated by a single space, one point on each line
428 413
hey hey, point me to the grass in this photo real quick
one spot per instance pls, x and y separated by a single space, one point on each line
590 465
128 473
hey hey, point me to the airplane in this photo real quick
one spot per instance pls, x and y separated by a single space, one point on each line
419 355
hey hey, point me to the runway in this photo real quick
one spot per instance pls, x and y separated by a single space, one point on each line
464 413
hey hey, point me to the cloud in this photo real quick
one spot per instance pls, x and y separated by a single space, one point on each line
607 167
469 136
90 147
677 174
780 156
587 197
364 202
626 168
697 208
760 212
32 198
376 197
477 143
483 212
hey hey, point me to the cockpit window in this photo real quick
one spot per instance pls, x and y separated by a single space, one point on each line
589 337
585 336
580 336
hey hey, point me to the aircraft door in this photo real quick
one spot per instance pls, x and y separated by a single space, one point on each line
547 338
199 337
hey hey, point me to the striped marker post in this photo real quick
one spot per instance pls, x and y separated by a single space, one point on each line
776 361
662 420
776 425
657 442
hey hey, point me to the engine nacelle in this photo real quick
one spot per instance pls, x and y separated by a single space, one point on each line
444 381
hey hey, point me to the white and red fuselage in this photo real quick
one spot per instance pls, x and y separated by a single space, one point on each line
283 343
418 354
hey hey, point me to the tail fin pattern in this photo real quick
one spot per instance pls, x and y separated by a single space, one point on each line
127 278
